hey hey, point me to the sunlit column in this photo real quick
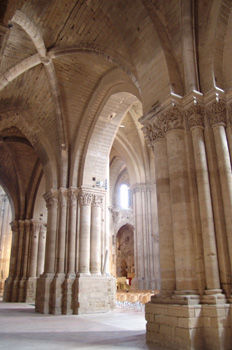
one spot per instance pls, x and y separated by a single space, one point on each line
85 200
95 242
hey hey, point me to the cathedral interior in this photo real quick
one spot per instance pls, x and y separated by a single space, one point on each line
115 161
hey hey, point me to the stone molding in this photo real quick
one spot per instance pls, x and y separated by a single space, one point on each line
195 116
217 113
51 198
97 200
62 197
72 196
85 198
158 125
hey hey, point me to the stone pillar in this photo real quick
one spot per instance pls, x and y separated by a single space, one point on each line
5 238
72 230
218 122
44 289
95 240
69 302
85 200
138 281
58 283
16 283
23 281
41 250
186 281
32 268
13 261
62 204
154 132
196 123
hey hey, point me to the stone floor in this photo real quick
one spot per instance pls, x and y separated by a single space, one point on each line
23 329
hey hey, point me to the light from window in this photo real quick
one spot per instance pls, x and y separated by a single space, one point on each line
124 198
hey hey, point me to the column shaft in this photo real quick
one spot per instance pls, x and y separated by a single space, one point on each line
72 230
35 228
206 212
41 250
224 165
166 244
181 212
62 201
51 201
95 243
85 217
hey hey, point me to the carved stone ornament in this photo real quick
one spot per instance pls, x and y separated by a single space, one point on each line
72 197
195 116
85 198
35 228
154 130
97 200
173 119
51 199
14 226
217 113
230 114
62 197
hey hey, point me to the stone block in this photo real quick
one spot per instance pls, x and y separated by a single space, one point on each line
181 310
166 320
191 322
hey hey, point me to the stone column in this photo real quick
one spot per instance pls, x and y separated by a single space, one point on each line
217 114
95 240
70 301
13 260
44 290
32 268
58 283
85 200
72 230
35 228
186 280
50 253
154 132
15 292
22 292
138 281
62 204
196 123
41 249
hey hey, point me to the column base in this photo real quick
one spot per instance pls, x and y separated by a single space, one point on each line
43 302
22 290
188 327
15 290
7 294
31 289
94 294
57 294
69 302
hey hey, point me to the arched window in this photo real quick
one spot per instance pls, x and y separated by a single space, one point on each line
124 196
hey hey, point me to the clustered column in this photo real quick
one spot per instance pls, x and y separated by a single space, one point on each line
196 124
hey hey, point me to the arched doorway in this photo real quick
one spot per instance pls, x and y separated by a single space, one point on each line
125 252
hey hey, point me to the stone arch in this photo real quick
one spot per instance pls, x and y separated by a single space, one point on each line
125 251
104 128
113 82
34 133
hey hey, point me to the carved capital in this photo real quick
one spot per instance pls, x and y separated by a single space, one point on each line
62 197
51 199
217 113
154 130
97 200
195 116
14 226
35 227
85 198
173 119
72 196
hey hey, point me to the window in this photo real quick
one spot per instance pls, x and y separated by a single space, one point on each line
124 196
